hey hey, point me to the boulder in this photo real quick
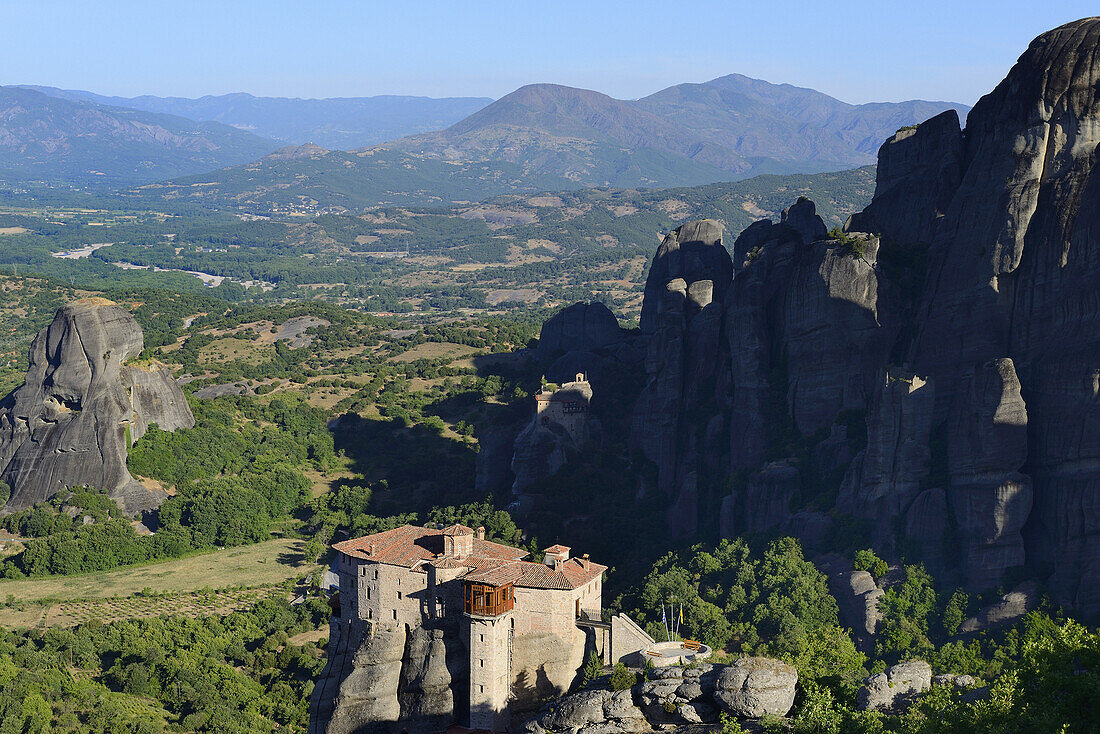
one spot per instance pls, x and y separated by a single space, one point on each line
591 712
1010 607
698 712
856 595
896 687
958 681
753 687
81 406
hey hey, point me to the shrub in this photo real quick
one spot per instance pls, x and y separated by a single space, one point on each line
621 678
730 725
866 560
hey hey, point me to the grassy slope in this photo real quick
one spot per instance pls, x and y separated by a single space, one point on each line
255 565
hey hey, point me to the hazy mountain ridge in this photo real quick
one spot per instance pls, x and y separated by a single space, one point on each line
540 137
45 138
342 123
737 125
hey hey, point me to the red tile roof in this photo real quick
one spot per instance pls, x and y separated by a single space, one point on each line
408 545
458 530
556 549
572 575
489 563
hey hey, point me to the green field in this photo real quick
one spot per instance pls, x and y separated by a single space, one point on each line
255 565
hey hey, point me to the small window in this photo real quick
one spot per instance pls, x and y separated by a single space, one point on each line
370 614
482 638
395 615
376 573
481 663
399 595
368 592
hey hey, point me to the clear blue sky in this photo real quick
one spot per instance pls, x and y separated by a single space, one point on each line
855 50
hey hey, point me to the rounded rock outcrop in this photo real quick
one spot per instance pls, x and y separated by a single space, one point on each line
895 687
753 687
82 405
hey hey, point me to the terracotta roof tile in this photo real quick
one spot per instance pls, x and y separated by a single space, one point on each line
409 544
571 575
489 563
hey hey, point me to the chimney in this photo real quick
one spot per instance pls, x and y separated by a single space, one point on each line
370 549
480 532
555 553
558 564
584 561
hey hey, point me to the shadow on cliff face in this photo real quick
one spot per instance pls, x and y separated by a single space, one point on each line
423 468
530 691
410 469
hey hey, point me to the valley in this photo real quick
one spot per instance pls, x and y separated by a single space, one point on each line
727 408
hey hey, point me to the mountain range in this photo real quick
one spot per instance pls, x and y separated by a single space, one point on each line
49 139
341 123
725 129
539 137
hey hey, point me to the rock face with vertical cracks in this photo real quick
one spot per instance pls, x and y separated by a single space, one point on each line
681 320
1009 323
930 374
81 406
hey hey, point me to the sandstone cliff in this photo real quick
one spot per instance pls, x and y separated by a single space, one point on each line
932 370
81 406
1008 327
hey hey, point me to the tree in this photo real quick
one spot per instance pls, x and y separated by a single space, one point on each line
593 667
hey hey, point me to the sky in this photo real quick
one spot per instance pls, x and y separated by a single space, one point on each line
854 50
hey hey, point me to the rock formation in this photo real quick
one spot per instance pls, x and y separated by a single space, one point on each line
856 595
578 339
753 687
591 711
558 431
931 373
933 370
81 407
749 688
391 680
1007 609
895 687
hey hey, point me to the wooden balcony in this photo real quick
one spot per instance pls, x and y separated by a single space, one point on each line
484 600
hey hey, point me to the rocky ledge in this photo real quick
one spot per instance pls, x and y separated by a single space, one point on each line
749 688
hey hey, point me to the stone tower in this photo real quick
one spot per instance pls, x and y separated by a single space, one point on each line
491 631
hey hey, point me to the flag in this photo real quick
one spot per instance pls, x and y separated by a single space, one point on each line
664 620
681 614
